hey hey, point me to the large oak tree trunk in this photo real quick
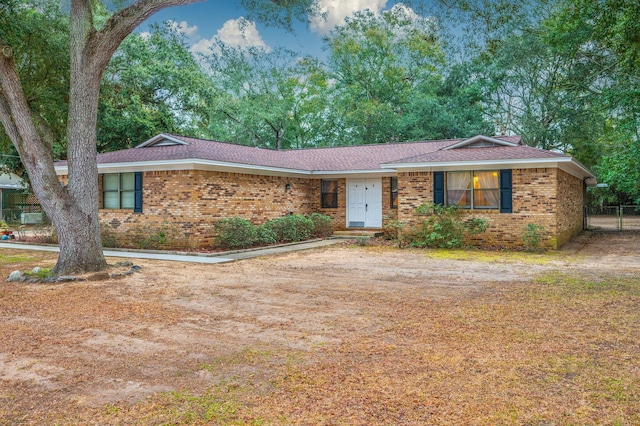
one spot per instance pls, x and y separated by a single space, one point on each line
73 209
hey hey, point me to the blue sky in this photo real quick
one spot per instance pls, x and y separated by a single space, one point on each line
203 22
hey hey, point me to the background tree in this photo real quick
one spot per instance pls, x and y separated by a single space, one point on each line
40 41
612 49
267 99
153 84
378 62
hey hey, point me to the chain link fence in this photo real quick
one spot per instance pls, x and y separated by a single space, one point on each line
19 207
614 218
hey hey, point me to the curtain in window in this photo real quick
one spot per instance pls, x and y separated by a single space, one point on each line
458 188
394 192
487 192
329 193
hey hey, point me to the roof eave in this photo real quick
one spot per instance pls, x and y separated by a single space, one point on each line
190 164
568 164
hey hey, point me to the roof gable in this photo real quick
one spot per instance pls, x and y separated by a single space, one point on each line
481 141
162 140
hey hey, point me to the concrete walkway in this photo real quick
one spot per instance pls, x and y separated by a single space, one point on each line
188 257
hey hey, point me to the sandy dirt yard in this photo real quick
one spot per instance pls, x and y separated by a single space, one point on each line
341 335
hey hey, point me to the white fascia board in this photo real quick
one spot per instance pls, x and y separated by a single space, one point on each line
465 165
567 164
191 164
11 186
158 137
479 138
352 173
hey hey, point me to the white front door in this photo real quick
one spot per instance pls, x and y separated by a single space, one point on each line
364 203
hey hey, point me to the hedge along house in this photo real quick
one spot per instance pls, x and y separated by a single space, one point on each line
188 184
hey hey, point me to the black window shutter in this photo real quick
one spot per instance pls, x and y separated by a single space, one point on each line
137 204
438 188
505 191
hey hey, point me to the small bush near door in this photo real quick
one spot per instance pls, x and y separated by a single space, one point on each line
322 225
237 233
292 228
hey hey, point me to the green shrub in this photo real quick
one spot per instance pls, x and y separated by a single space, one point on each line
291 228
322 225
108 236
394 230
151 237
265 235
476 225
533 236
362 241
235 232
444 227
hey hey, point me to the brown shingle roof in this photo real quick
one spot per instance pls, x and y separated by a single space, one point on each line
520 152
348 158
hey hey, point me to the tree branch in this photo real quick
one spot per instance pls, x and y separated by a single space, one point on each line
123 22
15 112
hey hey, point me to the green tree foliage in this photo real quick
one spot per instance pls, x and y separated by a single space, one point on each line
267 99
378 61
611 47
541 91
39 36
393 83
152 84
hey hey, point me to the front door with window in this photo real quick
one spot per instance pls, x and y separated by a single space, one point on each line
364 203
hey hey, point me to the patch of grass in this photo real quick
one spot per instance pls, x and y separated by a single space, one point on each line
218 405
493 256
111 409
8 260
590 283
42 273
619 389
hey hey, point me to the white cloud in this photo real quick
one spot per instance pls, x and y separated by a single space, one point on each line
203 46
336 10
241 33
238 33
183 27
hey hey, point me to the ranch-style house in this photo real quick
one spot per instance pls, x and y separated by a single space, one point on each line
189 184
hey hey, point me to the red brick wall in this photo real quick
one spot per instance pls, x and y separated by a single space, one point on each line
570 206
192 201
545 196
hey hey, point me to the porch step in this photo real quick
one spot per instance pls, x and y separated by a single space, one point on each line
357 233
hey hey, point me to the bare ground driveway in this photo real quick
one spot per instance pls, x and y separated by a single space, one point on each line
339 335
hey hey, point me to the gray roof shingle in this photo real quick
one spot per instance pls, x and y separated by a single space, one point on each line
520 152
345 158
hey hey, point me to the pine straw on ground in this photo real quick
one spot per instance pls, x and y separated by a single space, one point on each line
351 336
